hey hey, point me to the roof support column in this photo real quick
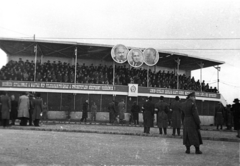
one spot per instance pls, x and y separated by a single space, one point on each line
178 64
113 73
218 70
75 76
201 65
35 62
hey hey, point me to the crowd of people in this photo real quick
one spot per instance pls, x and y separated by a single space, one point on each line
64 72
29 109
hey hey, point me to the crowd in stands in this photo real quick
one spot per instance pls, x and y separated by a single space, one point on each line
64 72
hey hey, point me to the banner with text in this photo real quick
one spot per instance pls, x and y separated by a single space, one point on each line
96 87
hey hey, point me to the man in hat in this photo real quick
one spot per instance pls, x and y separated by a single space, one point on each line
148 111
162 115
191 124
236 116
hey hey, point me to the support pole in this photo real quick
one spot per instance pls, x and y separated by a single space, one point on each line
148 76
218 70
35 68
178 64
113 72
75 76
201 65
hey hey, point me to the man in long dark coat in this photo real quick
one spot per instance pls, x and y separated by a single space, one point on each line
135 110
236 116
191 124
219 115
112 112
148 111
6 109
162 115
85 112
176 116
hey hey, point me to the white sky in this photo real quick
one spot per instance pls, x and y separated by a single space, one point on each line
146 19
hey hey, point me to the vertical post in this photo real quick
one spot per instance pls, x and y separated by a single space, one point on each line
35 68
75 76
201 65
148 76
218 70
113 72
178 63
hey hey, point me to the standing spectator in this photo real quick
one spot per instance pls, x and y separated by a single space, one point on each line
191 124
93 112
85 111
14 107
37 109
176 116
162 115
219 115
148 111
121 111
236 116
112 112
6 109
229 117
23 109
31 98
45 112
135 110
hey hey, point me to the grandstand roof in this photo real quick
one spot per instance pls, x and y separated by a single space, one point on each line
25 47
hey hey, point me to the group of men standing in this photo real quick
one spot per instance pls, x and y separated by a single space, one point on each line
28 109
186 112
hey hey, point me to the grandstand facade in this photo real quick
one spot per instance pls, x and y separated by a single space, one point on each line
68 73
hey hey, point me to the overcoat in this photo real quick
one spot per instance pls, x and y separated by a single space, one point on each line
162 114
219 115
37 108
191 124
112 111
135 110
148 113
85 110
14 107
176 114
6 106
122 110
23 107
236 116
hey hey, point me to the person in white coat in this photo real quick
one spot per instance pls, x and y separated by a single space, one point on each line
23 109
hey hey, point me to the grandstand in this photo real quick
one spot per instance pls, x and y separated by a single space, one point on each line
68 73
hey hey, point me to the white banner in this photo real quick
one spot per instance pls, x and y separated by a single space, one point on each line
132 89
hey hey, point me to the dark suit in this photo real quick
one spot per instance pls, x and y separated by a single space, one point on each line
136 64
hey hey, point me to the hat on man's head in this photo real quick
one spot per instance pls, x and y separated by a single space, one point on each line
150 98
161 97
191 95
235 100
177 98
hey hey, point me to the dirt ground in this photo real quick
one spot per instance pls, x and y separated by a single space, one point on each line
30 148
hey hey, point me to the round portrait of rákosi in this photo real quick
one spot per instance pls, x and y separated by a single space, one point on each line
119 53
135 57
151 56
